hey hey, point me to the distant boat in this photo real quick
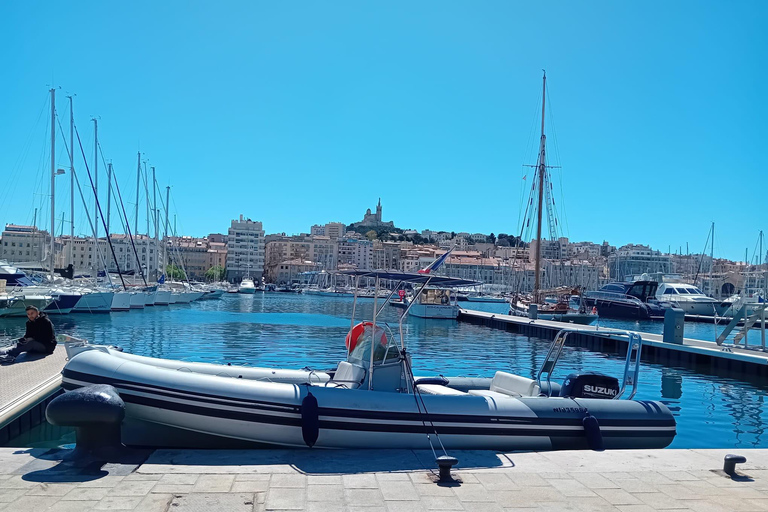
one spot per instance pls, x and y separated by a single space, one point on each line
436 303
633 300
247 286
690 299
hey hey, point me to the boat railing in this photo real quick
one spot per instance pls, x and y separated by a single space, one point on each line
613 296
631 363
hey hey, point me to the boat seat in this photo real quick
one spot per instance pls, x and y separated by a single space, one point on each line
347 375
492 394
514 385
437 389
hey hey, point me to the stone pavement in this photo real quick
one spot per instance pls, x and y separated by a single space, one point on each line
372 481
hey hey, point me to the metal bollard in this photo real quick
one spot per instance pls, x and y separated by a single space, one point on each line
445 463
729 465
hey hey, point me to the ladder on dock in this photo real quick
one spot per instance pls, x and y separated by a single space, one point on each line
757 315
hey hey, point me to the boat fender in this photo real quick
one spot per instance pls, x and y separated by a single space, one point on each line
592 431
310 420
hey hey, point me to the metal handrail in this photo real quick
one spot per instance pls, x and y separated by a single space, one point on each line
631 364
612 295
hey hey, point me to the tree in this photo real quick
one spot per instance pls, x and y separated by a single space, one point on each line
503 242
453 235
371 235
215 273
491 238
174 272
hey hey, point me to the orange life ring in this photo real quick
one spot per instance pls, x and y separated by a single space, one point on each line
358 330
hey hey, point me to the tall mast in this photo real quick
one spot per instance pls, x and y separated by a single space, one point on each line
154 212
712 260
138 185
109 194
53 173
165 238
95 188
71 181
146 193
542 170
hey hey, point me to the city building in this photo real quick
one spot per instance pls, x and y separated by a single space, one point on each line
288 272
634 259
355 253
25 244
245 250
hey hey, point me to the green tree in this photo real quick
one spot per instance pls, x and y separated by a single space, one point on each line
371 235
491 238
215 273
174 272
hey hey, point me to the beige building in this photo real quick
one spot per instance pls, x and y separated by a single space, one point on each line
245 250
25 244
287 272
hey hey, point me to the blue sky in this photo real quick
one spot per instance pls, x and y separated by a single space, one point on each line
299 113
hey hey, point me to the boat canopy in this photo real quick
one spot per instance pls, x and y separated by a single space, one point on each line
411 277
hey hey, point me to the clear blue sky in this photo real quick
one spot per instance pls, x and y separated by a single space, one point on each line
296 113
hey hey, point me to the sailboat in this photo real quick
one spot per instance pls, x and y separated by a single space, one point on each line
559 311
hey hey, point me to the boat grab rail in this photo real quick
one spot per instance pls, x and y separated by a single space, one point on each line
613 295
631 363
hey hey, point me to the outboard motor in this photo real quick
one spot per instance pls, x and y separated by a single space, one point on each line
590 385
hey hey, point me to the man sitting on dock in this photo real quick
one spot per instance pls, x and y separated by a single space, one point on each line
39 337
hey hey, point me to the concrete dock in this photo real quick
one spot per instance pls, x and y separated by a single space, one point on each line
373 481
692 352
25 388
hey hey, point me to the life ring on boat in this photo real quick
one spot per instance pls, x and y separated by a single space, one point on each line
353 336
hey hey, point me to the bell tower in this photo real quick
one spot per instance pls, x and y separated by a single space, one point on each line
378 211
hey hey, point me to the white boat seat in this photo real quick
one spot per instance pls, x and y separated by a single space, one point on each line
347 375
492 394
514 385
437 389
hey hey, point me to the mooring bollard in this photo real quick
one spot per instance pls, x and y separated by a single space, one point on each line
729 465
96 412
445 463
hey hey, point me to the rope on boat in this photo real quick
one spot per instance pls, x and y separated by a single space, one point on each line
419 404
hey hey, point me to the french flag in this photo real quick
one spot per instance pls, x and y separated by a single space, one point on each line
437 263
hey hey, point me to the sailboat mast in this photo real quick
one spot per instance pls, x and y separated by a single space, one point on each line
165 238
71 181
109 194
146 192
138 185
53 174
95 186
712 260
155 213
542 170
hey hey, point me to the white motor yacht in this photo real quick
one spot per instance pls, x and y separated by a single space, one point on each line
247 286
690 299
435 303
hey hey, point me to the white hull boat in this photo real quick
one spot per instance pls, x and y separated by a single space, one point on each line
95 302
247 286
121 301
12 305
174 298
438 311
138 300
150 297
162 298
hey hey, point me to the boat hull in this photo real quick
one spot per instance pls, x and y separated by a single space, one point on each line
62 304
138 300
95 302
121 301
437 311
162 297
237 411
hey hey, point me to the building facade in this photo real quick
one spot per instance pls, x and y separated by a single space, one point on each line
245 250
25 244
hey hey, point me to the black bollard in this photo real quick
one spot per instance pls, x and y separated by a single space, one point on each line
96 412
729 465
445 463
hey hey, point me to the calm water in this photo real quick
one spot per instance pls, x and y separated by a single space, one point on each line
287 330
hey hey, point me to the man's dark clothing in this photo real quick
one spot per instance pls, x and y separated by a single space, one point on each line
41 330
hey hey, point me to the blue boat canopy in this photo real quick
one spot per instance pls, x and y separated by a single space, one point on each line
411 277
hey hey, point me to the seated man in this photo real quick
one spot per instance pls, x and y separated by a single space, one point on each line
38 338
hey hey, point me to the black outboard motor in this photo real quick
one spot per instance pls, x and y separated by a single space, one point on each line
590 385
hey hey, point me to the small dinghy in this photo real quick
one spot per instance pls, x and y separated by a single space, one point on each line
372 399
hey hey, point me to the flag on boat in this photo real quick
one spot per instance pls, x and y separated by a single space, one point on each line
161 280
437 263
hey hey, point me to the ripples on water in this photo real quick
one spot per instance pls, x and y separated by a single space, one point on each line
293 331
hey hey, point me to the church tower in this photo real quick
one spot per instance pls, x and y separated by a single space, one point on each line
378 211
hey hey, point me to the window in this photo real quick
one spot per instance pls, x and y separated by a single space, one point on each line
670 291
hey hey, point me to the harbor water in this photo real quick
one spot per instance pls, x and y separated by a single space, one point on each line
288 330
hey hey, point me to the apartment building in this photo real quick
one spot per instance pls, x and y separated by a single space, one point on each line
245 249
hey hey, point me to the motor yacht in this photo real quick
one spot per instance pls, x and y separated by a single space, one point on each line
690 299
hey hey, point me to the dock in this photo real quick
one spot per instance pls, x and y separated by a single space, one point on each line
26 387
692 352
384 480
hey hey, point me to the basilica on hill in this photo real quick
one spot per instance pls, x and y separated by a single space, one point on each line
373 220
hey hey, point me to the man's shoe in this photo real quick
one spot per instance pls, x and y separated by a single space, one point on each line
6 359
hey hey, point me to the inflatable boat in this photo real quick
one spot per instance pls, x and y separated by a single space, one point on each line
372 400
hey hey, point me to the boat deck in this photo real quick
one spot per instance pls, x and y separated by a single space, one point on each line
377 480
28 381
727 356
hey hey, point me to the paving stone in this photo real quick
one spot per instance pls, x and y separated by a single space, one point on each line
481 506
678 476
249 477
399 491
250 486
279 498
142 476
363 497
441 503
51 489
325 480
155 503
72 506
132 488
172 489
118 503
433 489
472 492
392 477
16 482
198 502
496 481
595 481
659 500
360 481
179 478
635 485
326 493
86 493
9 495
404 506
636 508
527 479
618 497
708 506
571 488
105 481
325 506
213 483
288 480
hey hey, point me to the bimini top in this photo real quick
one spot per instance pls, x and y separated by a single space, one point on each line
412 277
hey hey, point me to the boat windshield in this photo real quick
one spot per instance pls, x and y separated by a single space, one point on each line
385 349
435 296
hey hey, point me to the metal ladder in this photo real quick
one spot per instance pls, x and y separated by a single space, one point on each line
631 364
